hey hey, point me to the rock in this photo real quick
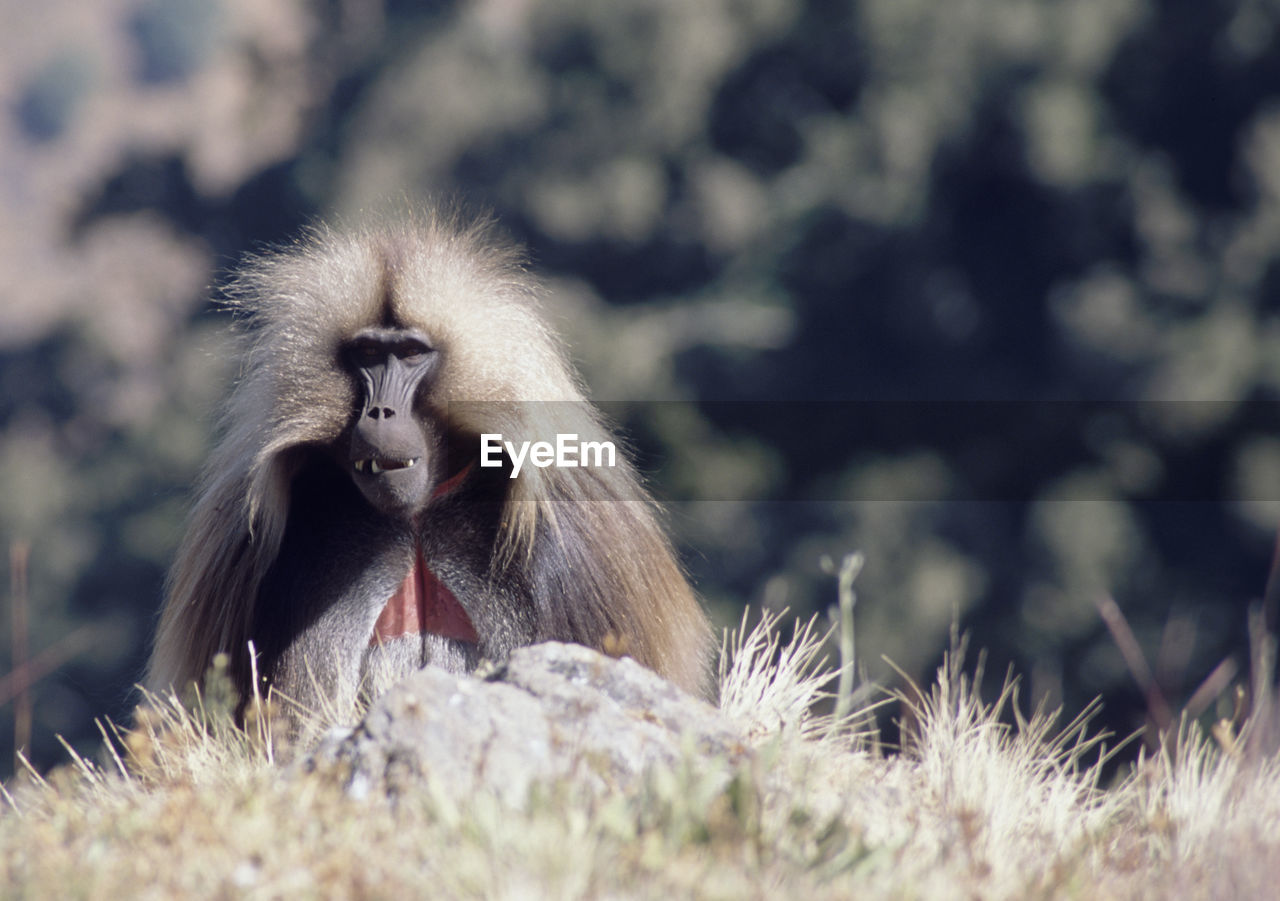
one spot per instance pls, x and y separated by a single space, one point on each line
552 711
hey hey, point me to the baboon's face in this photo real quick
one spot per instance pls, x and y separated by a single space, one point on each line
395 453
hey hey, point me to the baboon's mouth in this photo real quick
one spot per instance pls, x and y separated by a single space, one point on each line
379 465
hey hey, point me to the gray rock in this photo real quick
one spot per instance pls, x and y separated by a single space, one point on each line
553 711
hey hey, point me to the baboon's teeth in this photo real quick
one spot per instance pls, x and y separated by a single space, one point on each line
377 467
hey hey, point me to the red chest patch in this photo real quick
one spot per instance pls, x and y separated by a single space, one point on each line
422 603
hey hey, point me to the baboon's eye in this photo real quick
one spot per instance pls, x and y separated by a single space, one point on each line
413 352
367 353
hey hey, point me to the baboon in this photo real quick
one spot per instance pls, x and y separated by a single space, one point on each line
347 524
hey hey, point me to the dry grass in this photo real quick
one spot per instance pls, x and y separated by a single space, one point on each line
981 802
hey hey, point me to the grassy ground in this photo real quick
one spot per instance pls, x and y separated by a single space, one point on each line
980 803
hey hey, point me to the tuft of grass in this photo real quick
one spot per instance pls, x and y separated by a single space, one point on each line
772 688
782 689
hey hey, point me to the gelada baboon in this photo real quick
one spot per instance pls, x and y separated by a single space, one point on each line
345 525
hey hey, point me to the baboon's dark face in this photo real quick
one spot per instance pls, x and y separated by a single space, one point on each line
395 453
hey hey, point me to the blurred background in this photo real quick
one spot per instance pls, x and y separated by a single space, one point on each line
986 290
